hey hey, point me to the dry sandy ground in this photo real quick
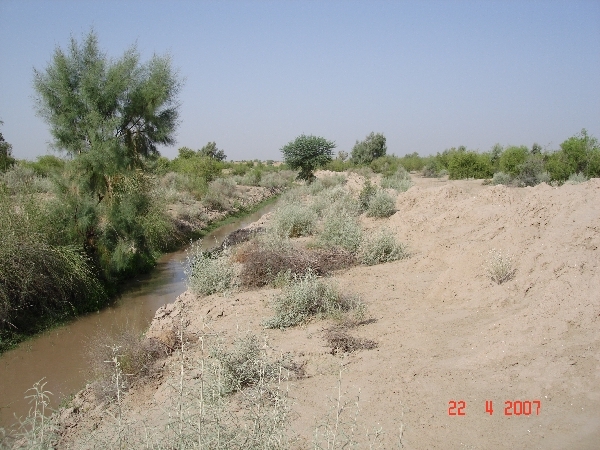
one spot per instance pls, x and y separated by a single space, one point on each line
446 332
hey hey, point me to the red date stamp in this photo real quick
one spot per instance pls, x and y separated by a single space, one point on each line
511 407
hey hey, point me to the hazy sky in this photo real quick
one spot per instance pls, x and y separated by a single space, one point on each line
428 74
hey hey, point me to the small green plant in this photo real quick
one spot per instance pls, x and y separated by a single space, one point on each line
207 274
500 267
309 297
381 205
400 181
577 178
381 248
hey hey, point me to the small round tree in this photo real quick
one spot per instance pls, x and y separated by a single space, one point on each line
307 153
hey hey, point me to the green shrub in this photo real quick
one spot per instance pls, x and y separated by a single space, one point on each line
294 220
307 297
467 164
381 205
512 158
220 194
400 181
20 179
501 178
341 230
366 194
372 147
386 165
277 180
381 248
532 172
335 200
208 275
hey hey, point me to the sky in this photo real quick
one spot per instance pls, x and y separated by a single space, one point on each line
429 75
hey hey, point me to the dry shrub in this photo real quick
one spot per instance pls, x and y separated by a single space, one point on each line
136 355
341 341
500 268
262 265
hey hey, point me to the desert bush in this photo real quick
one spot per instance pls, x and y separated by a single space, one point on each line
372 147
335 200
386 165
245 365
206 274
500 267
219 194
294 220
20 179
381 248
366 194
363 171
577 178
512 158
468 164
341 230
532 172
308 297
280 179
399 181
381 205
501 178
326 182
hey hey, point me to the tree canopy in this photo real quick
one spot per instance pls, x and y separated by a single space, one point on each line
109 113
307 153
371 148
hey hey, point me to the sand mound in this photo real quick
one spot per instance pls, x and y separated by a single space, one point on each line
444 330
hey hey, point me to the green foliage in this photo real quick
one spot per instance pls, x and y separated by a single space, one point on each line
381 205
386 165
381 248
578 154
206 274
577 178
40 280
341 230
294 220
307 153
501 178
219 194
512 158
6 159
199 171
48 165
372 147
210 150
413 162
467 164
400 181
532 172
366 194
307 297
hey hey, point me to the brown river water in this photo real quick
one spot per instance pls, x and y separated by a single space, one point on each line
59 355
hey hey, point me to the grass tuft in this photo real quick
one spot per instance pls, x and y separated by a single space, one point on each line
381 248
500 268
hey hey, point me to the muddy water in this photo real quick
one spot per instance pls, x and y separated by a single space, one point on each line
59 355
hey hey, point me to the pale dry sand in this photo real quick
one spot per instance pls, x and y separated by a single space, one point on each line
445 330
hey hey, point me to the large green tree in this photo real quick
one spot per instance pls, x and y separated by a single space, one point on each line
109 115
307 153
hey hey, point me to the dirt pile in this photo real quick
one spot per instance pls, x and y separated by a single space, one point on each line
444 331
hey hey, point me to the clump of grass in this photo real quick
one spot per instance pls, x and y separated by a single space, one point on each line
381 205
307 297
381 248
245 365
500 267
208 274
294 220
341 230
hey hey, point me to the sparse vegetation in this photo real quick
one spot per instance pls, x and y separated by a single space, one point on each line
307 297
293 220
381 248
208 274
381 205
500 267
341 230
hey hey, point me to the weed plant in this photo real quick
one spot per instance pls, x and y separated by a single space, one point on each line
381 205
307 297
399 181
208 274
341 230
294 220
381 248
577 178
366 194
500 267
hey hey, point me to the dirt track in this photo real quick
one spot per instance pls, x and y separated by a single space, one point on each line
445 330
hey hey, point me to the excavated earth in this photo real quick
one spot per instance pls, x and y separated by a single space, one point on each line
445 331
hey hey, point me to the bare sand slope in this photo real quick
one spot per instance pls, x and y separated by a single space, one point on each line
445 330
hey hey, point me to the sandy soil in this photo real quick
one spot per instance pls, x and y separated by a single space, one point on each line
446 332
